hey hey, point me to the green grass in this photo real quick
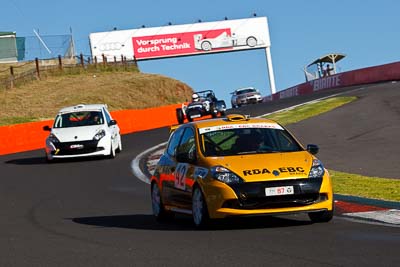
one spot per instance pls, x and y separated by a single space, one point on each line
309 110
370 187
343 183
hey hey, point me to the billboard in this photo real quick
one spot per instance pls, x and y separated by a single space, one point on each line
181 40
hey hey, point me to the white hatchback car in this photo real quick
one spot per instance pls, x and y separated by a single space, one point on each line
246 95
83 131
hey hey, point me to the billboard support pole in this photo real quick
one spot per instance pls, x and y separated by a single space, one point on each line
270 70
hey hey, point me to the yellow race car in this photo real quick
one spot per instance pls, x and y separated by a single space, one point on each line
238 166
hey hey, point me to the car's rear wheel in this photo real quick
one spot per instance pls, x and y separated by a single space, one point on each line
158 207
321 216
179 115
251 41
206 46
199 209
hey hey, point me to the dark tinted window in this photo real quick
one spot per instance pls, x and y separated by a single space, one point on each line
174 141
187 143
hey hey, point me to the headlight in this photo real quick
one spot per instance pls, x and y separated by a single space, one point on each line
317 169
224 175
53 138
100 134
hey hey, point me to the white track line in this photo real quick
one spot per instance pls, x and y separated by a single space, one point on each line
136 161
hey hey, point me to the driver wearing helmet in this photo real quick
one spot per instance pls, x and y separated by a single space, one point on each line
195 97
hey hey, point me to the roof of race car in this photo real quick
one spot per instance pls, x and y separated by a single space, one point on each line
244 88
233 121
82 107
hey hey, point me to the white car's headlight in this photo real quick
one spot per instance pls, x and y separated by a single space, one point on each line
53 138
224 175
317 169
100 134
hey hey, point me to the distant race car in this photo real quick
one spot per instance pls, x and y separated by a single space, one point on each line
239 166
245 95
203 103
83 131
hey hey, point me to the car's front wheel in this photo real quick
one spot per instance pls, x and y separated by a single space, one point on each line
321 216
112 151
199 209
119 149
179 115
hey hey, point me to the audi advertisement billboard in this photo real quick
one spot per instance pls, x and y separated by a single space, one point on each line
181 40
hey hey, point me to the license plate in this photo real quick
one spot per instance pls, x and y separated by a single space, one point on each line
195 116
279 190
77 146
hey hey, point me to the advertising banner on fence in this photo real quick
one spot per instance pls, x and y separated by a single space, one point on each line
180 40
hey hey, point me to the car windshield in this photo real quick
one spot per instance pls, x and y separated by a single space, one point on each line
77 119
229 142
206 95
245 91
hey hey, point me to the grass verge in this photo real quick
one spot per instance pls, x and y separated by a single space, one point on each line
343 183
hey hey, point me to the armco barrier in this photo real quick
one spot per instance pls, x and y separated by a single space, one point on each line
387 72
31 136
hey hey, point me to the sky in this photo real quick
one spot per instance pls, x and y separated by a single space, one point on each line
366 31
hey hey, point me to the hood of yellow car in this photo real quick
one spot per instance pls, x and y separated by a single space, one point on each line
270 166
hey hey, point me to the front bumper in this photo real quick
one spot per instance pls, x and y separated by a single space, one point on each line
250 100
74 149
250 198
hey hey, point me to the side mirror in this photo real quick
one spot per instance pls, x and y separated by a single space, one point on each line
185 157
46 128
313 149
112 122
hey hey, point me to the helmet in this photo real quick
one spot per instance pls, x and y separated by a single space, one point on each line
195 97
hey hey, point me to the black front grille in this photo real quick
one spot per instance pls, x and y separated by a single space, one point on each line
252 195
77 148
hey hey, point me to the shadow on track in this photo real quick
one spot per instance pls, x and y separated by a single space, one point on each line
184 223
43 160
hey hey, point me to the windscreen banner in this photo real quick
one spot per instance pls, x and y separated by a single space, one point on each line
181 40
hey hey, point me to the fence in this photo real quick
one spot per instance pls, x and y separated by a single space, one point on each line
14 74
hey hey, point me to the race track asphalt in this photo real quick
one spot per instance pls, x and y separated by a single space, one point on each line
362 137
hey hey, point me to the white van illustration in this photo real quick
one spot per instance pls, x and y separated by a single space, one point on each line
223 40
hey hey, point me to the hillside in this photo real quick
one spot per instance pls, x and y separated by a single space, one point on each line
122 89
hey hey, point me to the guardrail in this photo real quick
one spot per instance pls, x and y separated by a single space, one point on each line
387 72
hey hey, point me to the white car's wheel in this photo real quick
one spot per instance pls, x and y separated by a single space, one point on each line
251 41
119 149
49 159
199 209
112 151
206 46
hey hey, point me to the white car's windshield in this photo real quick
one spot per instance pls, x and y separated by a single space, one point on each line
247 141
245 91
77 119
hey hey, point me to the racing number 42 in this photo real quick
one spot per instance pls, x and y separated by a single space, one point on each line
180 175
